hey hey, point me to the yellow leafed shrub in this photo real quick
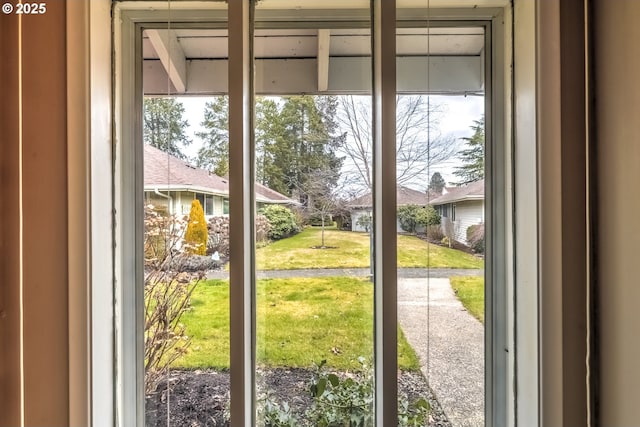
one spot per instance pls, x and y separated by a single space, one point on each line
196 235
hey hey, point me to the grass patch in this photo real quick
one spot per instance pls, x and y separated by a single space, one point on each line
413 252
351 250
299 321
470 291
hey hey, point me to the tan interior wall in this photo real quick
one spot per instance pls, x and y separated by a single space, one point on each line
617 71
41 185
10 395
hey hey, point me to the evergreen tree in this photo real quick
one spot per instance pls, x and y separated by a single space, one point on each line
164 126
268 135
295 138
472 157
437 183
214 153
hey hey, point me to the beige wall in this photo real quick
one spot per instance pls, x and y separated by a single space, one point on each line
34 275
617 73
10 378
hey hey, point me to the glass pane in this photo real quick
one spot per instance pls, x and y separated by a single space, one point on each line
314 296
208 205
186 240
440 208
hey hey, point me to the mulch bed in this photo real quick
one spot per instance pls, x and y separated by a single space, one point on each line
456 244
201 398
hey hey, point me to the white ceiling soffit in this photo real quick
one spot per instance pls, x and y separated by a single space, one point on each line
290 61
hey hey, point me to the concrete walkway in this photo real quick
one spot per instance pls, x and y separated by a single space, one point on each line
450 344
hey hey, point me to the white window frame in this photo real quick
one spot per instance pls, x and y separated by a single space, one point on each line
517 160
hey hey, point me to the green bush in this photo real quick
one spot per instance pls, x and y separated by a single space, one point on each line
365 221
428 216
282 221
475 238
413 216
196 236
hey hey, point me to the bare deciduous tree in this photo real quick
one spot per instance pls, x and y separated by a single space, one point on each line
167 294
321 195
419 144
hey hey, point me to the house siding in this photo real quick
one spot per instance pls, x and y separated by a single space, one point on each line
467 213
355 215
217 206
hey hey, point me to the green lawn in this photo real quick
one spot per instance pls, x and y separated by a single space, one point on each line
299 321
351 250
470 291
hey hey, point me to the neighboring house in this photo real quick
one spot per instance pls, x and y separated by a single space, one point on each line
172 183
362 206
464 206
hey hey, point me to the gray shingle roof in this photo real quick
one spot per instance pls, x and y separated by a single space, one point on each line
404 195
472 191
167 172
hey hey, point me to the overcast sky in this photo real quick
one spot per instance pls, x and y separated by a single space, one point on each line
457 119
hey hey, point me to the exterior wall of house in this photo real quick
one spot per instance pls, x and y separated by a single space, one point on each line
157 201
217 206
181 202
467 214
355 214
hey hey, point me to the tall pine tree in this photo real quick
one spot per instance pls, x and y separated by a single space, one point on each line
164 126
437 183
214 153
294 137
472 157
306 142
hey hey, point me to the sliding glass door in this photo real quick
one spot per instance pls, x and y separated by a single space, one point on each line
308 192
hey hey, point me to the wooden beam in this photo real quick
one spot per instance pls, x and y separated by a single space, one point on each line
324 43
171 55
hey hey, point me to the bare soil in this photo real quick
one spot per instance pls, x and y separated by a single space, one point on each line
201 398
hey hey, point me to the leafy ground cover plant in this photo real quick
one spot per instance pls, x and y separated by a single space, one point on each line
340 401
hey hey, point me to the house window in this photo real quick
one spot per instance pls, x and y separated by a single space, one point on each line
206 201
225 206
317 30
